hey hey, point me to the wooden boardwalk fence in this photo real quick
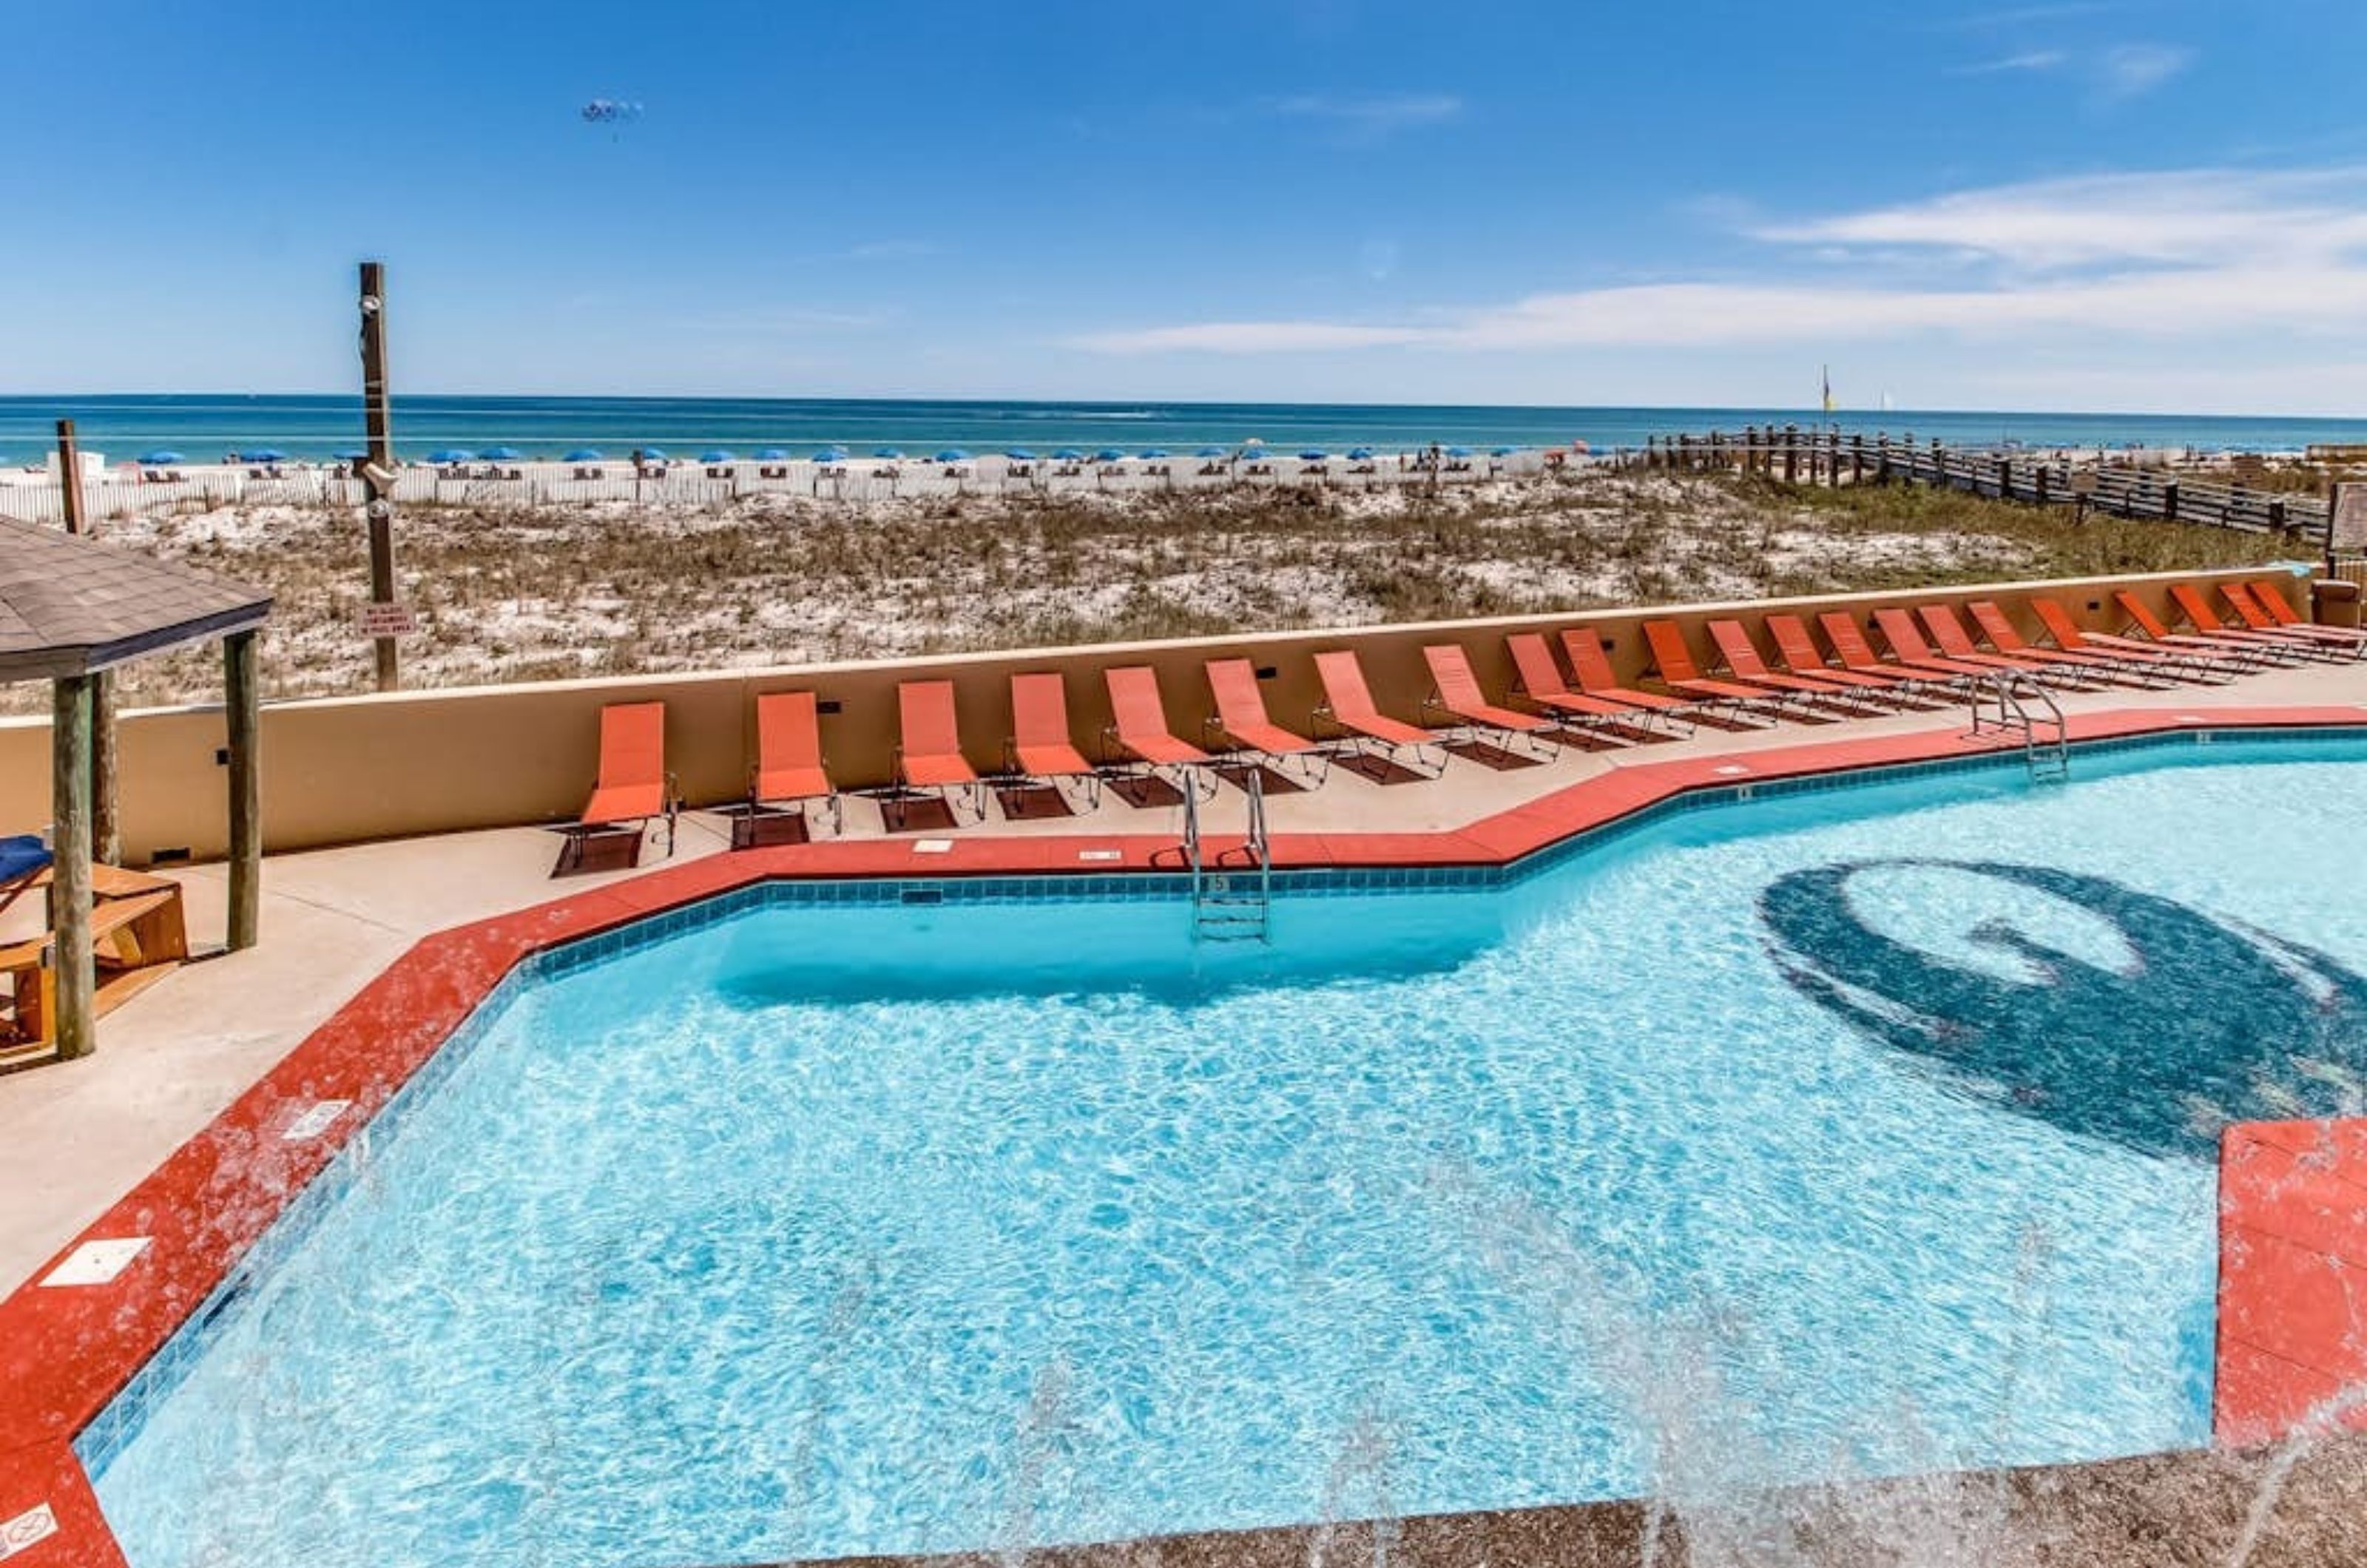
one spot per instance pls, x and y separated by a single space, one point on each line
1827 457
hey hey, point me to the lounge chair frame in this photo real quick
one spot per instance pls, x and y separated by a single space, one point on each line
1360 729
1130 750
1016 746
1311 762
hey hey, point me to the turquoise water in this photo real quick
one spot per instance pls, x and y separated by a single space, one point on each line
204 426
1841 1133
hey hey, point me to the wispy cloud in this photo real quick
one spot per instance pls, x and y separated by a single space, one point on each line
2028 60
2169 255
2115 73
1370 120
2132 70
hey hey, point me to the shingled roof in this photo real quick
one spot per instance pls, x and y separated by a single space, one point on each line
69 606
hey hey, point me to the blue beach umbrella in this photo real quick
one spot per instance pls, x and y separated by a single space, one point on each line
773 455
160 457
1360 454
953 454
451 455
584 455
831 455
1149 452
715 455
343 455
1312 456
1210 452
653 455
1503 451
1109 455
501 454
1249 455
1068 455
264 455
1020 456
889 453
1459 451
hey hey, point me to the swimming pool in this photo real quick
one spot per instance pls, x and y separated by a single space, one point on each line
1848 1131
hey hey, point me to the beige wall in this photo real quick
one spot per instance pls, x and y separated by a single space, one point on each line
342 770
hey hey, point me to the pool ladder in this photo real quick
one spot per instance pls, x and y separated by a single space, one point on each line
1232 905
1997 706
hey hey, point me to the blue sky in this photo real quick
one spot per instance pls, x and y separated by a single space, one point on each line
2123 205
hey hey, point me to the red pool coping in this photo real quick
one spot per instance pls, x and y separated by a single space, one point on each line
2293 1281
67 1351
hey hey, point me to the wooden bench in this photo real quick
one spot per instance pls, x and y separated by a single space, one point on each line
137 935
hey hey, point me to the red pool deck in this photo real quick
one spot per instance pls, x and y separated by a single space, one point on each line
2293 1281
2288 1324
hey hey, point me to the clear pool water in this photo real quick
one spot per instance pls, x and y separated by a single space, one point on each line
1819 1135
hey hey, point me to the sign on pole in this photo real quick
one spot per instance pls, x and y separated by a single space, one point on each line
388 620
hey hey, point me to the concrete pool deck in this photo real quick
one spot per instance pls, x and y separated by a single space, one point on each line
371 953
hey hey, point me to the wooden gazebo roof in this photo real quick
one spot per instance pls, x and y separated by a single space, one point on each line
69 606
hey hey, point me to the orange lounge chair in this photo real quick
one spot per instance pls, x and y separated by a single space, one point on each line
2006 639
1540 682
633 786
1140 734
1457 694
2269 596
791 768
2185 663
929 756
1589 661
1241 719
1956 643
2206 621
1851 648
2229 645
2244 601
1683 677
1039 748
1732 640
1348 706
1906 645
1796 646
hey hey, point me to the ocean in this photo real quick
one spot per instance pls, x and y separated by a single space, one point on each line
203 428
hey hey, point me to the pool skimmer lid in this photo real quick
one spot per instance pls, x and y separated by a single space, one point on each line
933 846
1732 770
1101 855
97 1262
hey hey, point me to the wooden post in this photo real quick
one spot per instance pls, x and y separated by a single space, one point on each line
76 978
2170 502
242 706
106 832
1791 454
377 471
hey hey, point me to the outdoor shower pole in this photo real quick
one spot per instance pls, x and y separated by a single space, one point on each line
378 470
106 830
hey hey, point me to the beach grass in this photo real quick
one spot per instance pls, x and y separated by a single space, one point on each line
515 593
